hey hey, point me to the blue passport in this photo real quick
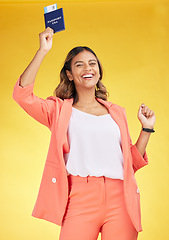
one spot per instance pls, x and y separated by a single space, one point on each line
55 20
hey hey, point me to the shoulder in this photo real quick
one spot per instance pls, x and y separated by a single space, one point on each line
118 106
121 110
53 103
59 100
55 99
58 103
114 105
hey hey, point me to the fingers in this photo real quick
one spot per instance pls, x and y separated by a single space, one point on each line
147 112
47 33
45 40
48 29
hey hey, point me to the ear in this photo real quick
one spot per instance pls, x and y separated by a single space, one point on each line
69 75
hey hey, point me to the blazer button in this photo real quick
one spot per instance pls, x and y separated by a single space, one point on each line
53 180
138 190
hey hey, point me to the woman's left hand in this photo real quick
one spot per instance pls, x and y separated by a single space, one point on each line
146 116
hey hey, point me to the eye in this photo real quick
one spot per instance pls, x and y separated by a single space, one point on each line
79 65
93 63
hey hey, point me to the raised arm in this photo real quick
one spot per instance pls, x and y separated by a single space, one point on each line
38 108
45 39
138 150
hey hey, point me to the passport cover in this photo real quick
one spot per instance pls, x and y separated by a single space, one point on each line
55 20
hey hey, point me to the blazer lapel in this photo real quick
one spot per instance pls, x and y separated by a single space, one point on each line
116 114
64 118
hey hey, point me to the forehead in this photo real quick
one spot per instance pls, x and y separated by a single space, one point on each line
84 56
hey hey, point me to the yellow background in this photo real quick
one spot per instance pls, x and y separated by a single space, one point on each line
131 39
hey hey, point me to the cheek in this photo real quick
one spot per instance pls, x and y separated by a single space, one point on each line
76 73
98 74
97 71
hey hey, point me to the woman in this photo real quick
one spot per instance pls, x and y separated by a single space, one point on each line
88 184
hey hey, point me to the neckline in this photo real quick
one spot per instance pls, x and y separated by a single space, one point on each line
90 113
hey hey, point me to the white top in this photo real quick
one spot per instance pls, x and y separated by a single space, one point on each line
95 146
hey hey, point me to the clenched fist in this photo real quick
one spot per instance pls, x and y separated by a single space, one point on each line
45 39
146 116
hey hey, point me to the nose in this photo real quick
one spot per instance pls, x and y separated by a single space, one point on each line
87 67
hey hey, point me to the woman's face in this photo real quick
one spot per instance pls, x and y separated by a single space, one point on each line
84 70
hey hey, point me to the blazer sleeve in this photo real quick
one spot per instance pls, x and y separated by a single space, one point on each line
138 160
40 109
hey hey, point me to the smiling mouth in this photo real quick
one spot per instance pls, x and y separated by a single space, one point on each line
88 76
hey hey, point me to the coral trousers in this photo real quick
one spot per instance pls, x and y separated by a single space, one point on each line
96 204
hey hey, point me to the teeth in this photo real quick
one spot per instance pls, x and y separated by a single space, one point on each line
88 76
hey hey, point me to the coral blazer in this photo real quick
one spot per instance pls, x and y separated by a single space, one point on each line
55 113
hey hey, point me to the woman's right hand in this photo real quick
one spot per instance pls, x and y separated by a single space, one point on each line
45 39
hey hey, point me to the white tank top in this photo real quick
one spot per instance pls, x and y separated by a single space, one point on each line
95 146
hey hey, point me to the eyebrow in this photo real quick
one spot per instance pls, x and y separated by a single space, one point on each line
82 61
